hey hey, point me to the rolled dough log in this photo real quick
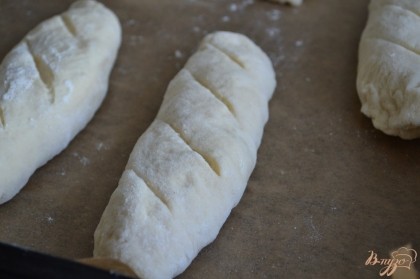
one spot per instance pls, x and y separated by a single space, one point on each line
51 84
388 77
191 166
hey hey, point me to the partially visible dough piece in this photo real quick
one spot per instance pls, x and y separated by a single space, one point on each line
51 84
292 2
388 78
191 166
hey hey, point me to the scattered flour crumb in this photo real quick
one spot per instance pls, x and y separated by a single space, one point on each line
50 219
272 31
196 29
237 7
131 22
225 18
101 146
315 233
245 4
277 59
83 160
299 43
274 15
178 54
233 7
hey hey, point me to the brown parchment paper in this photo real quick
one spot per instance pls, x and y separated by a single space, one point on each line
327 187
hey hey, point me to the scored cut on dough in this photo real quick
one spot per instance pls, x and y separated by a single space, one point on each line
388 77
191 166
51 84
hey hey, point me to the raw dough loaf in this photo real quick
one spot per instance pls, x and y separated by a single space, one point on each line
388 80
51 84
191 166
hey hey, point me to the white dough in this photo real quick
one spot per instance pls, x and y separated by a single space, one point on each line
388 78
191 166
51 84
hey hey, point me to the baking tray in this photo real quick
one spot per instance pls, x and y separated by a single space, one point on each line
327 187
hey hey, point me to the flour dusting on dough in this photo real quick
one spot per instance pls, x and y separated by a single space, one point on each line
17 77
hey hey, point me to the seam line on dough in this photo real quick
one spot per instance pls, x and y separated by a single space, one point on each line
44 71
397 43
403 8
212 163
231 57
69 25
152 189
215 93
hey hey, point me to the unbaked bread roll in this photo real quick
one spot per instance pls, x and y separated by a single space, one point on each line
191 166
51 84
388 78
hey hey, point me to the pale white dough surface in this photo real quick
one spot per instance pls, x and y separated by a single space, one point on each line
388 78
191 166
51 84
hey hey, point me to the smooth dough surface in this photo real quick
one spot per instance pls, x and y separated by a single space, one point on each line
51 84
388 78
191 166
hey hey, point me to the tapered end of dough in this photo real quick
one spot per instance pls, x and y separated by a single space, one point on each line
388 75
89 19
